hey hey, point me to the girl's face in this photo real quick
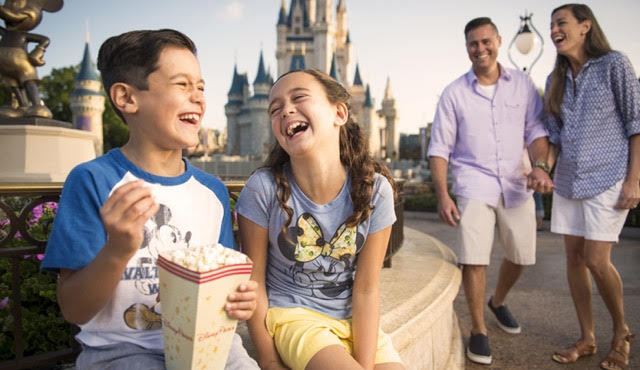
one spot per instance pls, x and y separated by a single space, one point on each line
303 119
567 34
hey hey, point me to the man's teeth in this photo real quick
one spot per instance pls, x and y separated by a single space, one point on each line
192 117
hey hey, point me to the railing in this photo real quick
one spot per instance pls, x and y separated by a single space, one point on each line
19 227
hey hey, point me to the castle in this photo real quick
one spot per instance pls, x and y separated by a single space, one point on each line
87 99
308 36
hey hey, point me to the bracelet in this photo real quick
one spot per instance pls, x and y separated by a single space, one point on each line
542 165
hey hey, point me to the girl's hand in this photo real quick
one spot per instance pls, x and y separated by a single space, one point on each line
242 303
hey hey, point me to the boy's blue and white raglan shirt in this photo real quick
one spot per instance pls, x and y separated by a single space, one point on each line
194 210
313 264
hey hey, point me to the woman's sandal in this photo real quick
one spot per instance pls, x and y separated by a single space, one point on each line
618 357
569 355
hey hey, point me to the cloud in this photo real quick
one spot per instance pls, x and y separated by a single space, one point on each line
233 11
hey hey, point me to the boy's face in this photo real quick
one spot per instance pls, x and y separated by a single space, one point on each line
170 110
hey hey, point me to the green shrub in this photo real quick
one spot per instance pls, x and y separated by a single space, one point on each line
43 328
422 202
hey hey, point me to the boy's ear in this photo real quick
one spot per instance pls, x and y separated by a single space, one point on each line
342 113
123 97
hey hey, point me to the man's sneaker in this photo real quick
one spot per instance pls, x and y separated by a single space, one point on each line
478 349
506 321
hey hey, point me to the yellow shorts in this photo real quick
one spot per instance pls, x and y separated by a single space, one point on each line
300 333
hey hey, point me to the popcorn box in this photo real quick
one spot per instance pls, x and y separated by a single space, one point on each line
197 331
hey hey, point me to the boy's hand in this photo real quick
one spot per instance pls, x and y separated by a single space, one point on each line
124 215
242 303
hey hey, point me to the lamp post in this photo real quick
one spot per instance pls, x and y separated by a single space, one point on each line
525 41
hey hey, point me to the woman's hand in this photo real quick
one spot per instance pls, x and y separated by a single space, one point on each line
629 194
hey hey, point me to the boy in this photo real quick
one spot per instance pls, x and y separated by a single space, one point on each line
111 223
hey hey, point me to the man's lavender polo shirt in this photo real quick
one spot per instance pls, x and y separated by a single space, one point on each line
484 138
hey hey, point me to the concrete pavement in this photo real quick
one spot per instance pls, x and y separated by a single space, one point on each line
542 303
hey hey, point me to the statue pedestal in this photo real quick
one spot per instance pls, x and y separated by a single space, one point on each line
41 151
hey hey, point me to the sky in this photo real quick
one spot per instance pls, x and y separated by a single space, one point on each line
418 44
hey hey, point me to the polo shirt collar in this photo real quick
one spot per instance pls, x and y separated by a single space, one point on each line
504 74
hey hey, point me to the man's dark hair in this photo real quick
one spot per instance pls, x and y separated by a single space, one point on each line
132 56
478 22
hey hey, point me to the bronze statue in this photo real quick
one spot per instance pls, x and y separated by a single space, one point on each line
17 64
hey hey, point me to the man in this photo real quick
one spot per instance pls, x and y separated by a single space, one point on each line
484 122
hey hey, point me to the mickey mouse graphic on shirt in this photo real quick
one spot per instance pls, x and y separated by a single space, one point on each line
323 267
159 235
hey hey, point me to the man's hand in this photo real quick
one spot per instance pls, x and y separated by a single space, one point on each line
124 215
447 210
242 303
629 195
539 181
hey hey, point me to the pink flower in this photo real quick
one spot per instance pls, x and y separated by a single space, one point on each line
4 302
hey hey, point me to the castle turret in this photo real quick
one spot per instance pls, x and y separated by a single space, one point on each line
357 93
335 69
341 21
232 110
261 85
259 139
323 36
87 100
390 114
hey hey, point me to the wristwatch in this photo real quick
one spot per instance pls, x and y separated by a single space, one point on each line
542 165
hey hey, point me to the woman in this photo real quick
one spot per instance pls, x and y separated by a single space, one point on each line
592 102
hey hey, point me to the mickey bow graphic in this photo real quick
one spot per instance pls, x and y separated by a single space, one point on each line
311 243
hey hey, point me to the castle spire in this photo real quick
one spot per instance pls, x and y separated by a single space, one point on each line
334 69
261 76
368 103
87 68
357 81
387 90
282 18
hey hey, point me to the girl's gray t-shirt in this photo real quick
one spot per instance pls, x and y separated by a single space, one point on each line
313 265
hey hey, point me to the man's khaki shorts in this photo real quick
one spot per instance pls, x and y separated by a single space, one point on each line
516 230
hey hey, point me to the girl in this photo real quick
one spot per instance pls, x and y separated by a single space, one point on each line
320 207
593 106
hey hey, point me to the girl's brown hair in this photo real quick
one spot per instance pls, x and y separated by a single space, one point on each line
595 45
354 154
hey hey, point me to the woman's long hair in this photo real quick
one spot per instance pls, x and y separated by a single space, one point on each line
354 154
595 45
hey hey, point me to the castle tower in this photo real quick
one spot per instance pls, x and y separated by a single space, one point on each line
357 92
311 29
248 126
258 120
389 112
232 111
335 71
87 101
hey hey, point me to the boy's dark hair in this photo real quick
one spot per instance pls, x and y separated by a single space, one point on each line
132 56
478 22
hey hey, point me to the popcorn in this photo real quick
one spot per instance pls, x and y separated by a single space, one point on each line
206 258
194 286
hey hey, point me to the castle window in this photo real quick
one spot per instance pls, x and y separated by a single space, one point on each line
297 30
297 19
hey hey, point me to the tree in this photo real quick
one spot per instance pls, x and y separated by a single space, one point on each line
114 131
56 90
